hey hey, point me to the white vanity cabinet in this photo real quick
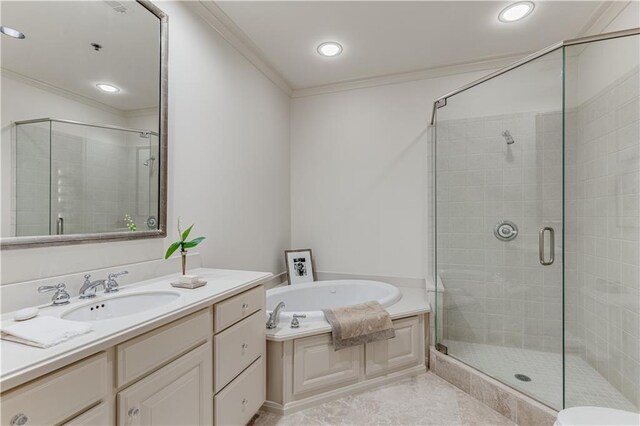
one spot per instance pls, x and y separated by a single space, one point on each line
59 396
177 394
204 368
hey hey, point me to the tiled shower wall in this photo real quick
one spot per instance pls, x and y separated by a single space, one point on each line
94 181
603 228
497 292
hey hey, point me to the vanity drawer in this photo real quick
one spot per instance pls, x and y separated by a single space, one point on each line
239 401
232 310
100 415
59 395
145 353
237 347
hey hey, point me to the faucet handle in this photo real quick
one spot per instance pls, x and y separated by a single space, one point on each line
111 285
117 274
87 278
60 297
295 323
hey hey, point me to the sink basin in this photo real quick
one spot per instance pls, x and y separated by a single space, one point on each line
120 306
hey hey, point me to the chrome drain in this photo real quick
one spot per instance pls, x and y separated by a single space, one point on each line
523 377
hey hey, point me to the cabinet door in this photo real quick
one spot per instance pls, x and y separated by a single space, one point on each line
401 351
177 394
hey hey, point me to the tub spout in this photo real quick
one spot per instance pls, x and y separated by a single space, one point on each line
272 322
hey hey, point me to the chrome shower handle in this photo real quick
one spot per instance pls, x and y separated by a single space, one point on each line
552 244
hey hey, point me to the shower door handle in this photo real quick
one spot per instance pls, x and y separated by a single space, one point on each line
60 226
552 245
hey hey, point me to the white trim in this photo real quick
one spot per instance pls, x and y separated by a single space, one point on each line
602 17
142 112
223 25
60 92
461 68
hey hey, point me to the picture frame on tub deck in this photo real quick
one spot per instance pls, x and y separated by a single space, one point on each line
299 266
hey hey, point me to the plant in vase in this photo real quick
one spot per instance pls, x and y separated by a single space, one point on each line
183 245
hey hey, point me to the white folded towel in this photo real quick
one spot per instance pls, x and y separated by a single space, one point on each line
44 332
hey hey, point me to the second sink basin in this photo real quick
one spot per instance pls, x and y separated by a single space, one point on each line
120 306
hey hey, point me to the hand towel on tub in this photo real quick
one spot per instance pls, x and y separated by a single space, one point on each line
358 324
44 332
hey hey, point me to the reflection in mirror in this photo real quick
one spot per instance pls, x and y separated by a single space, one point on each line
81 130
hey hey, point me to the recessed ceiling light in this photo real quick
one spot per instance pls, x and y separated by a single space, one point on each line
516 11
109 88
330 48
11 32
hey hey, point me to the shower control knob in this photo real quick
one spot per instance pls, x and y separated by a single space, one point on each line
505 230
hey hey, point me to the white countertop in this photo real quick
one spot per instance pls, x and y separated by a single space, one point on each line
414 301
20 363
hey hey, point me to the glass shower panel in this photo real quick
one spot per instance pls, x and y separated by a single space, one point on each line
30 203
498 177
97 177
602 290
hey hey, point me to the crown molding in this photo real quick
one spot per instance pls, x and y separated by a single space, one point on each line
223 25
60 92
424 74
602 17
142 112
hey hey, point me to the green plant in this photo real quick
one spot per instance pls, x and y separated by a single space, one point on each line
183 244
130 223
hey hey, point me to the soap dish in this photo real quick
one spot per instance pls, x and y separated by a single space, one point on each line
189 285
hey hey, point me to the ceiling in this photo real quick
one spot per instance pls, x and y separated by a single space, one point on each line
57 49
383 38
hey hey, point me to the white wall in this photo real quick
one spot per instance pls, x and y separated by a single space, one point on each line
228 163
358 176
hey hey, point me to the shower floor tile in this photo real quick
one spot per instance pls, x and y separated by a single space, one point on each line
585 386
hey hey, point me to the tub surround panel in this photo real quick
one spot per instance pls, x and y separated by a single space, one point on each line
307 371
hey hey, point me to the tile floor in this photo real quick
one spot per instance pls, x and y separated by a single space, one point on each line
422 400
584 385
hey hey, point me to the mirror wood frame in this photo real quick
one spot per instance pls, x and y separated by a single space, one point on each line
59 240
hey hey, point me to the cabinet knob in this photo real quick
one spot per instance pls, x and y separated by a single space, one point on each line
245 401
19 420
245 346
133 412
245 306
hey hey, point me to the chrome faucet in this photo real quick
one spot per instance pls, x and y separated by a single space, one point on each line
60 297
88 289
111 285
272 322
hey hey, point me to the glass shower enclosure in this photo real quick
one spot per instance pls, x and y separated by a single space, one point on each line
537 223
78 178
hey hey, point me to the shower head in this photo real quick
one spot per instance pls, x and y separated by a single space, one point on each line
507 137
152 158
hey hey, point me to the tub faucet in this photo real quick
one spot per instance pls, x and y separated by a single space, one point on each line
272 322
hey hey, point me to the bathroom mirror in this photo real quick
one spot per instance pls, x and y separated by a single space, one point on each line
84 113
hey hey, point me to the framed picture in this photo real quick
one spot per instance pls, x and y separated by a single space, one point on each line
299 266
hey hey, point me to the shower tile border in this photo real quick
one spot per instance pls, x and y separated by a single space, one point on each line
510 403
